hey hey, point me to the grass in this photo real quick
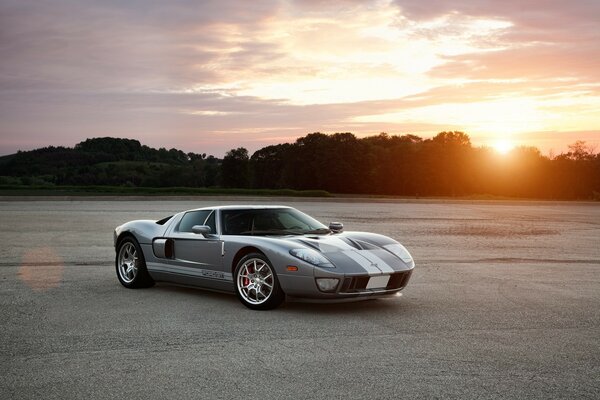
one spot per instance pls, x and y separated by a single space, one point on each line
50 190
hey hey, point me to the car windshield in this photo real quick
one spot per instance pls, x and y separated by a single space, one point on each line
270 221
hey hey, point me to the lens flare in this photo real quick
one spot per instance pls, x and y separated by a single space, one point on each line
41 269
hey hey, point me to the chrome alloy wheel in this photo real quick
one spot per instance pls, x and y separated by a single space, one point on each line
255 281
128 262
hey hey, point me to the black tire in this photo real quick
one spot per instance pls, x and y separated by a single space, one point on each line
256 283
130 265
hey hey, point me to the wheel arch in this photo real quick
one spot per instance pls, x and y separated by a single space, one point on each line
241 253
142 279
121 237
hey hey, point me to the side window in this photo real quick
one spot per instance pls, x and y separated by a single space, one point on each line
192 218
211 221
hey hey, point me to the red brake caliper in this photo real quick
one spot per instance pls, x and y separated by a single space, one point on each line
246 281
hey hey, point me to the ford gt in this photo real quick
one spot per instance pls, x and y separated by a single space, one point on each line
263 254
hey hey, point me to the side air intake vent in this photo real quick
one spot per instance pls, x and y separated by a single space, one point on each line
163 248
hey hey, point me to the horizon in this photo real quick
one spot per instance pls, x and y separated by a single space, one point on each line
208 77
500 148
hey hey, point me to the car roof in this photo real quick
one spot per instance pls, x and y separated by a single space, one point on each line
239 207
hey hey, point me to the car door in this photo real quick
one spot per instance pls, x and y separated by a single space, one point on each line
194 254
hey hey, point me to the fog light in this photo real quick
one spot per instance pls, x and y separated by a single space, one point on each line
327 284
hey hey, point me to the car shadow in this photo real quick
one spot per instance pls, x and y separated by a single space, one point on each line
294 306
197 292
356 307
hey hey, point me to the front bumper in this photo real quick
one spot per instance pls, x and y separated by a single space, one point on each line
353 285
350 287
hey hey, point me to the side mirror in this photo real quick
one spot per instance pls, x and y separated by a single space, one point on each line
203 230
336 227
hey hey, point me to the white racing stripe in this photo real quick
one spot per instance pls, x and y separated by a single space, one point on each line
382 265
363 262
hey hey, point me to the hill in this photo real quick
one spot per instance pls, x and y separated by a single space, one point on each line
109 161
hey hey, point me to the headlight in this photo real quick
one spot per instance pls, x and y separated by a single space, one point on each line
399 251
312 257
327 284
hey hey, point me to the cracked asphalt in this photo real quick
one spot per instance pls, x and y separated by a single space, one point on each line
504 303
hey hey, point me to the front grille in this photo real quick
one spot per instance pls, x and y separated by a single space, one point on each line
399 280
356 284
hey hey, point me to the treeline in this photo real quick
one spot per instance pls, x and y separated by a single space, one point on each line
446 165
110 161
408 165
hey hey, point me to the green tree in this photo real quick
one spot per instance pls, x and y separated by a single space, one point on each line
235 168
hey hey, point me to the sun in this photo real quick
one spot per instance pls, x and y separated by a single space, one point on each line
503 146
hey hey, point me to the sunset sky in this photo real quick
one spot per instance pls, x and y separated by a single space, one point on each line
208 76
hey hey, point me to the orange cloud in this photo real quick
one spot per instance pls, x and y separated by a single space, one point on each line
208 76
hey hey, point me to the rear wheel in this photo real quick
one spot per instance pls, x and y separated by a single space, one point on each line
131 265
256 283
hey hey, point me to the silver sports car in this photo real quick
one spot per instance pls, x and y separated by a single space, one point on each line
263 254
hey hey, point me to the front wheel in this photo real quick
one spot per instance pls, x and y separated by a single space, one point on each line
131 265
256 283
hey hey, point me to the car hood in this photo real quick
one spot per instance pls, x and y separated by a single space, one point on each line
355 255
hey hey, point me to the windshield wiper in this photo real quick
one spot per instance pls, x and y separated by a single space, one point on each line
272 232
320 231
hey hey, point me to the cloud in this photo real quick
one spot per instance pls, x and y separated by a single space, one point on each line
211 75
532 63
539 14
88 45
547 38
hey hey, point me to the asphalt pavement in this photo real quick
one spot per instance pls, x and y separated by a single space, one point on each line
504 303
